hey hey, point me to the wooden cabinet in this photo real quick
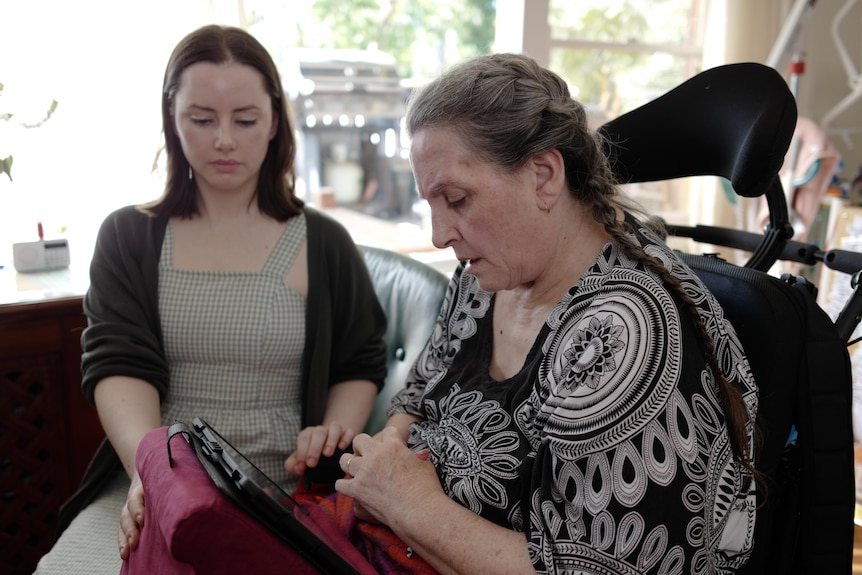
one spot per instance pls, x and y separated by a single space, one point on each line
48 430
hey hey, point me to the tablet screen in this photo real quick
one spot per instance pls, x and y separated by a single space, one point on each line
266 501
243 472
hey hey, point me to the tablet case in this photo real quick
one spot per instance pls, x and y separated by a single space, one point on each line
256 494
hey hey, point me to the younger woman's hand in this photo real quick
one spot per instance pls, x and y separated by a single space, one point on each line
131 519
316 442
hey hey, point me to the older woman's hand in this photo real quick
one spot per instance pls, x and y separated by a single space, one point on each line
384 476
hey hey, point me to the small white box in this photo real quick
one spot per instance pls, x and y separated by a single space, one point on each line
40 256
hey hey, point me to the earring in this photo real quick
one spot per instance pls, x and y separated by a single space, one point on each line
191 174
546 207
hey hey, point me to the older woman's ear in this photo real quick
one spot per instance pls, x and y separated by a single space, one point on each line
550 171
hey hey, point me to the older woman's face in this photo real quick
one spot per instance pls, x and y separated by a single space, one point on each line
487 216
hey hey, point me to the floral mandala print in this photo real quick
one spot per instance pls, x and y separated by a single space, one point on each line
444 344
472 445
605 377
591 352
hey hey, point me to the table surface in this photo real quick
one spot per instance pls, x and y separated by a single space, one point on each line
409 239
17 288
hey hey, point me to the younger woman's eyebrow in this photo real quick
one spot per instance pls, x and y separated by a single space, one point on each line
248 108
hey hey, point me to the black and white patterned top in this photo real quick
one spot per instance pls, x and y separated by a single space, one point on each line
609 448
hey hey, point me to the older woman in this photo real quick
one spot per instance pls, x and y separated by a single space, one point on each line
582 405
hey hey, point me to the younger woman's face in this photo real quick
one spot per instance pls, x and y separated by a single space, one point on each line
224 119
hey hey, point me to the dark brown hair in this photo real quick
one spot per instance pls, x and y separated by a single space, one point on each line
275 188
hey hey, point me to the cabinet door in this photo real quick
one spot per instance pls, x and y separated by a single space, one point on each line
48 431
34 463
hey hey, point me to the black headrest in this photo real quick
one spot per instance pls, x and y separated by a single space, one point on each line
734 121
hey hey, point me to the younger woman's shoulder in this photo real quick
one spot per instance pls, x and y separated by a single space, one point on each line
319 222
329 242
131 215
131 228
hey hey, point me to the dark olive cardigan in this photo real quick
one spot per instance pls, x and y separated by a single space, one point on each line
344 321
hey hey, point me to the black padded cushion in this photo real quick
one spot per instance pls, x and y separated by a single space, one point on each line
802 371
734 121
763 311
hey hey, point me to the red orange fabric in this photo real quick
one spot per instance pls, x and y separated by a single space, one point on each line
385 550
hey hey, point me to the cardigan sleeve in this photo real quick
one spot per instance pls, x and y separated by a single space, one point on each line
123 336
345 324
358 350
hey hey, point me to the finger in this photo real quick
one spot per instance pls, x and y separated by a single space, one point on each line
361 442
122 544
346 486
302 441
345 462
334 438
128 531
346 439
362 513
315 446
293 465
342 487
136 509
134 539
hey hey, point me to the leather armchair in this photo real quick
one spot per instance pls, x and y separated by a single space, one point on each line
411 294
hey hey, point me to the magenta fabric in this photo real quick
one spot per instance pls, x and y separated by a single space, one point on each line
191 527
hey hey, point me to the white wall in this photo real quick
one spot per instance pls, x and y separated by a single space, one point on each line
825 81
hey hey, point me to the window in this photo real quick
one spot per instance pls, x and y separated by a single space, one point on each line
619 54
102 62
95 151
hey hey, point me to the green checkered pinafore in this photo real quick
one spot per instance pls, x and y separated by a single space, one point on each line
234 342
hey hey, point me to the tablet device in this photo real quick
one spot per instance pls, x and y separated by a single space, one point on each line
264 500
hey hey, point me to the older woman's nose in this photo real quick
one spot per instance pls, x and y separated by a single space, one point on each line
443 230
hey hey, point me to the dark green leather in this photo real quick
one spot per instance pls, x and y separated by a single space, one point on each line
411 294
